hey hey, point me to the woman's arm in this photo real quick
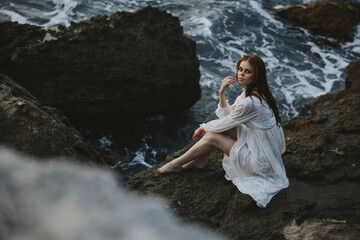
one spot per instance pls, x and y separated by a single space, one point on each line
243 112
224 86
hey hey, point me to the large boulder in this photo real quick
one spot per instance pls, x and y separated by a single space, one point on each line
110 68
335 20
322 161
29 127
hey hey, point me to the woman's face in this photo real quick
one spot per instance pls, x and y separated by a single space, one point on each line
245 74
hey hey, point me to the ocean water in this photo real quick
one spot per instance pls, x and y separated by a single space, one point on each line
300 66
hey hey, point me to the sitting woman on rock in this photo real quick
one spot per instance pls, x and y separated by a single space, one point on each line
248 132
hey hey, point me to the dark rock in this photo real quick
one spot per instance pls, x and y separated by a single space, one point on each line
108 69
27 126
335 20
352 80
326 135
322 161
320 229
205 196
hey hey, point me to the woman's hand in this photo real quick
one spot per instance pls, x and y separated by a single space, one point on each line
197 132
226 84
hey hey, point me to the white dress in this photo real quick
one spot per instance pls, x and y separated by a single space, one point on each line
255 165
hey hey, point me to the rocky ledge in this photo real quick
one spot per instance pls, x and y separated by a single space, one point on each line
107 69
323 164
335 20
29 127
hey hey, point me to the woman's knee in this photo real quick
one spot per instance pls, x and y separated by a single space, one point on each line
219 140
212 138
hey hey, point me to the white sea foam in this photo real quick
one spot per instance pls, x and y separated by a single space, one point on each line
63 13
356 49
140 159
141 155
105 6
153 153
279 6
15 17
207 79
270 18
105 142
334 64
198 26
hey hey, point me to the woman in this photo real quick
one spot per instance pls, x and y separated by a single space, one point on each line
248 132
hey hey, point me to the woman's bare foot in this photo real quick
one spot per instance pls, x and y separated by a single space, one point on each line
197 163
169 168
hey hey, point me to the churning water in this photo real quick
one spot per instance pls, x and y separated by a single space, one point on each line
300 66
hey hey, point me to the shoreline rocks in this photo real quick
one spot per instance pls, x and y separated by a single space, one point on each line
335 20
326 135
110 69
323 165
41 131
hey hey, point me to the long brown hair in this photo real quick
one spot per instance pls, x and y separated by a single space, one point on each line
259 87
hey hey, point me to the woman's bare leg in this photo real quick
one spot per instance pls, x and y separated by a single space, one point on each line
202 148
201 161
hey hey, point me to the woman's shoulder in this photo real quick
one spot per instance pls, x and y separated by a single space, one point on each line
240 97
258 99
252 100
247 103
255 103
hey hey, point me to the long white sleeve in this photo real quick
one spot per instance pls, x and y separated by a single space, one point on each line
243 112
222 112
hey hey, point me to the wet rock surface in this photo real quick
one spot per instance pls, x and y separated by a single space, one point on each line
326 135
323 165
319 229
29 127
335 20
107 69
